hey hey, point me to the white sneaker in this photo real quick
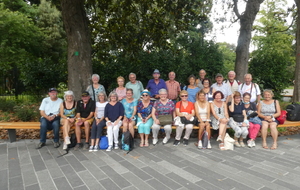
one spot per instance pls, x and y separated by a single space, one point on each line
165 140
208 145
253 143
109 148
65 146
200 144
67 140
116 147
154 141
91 148
249 143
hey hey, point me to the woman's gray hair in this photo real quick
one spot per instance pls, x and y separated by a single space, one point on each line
96 75
162 90
69 93
111 94
269 91
104 94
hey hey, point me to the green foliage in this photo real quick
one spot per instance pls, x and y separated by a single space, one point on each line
7 105
228 52
25 114
272 64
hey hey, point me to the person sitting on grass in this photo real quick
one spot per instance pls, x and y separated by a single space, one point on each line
84 117
50 117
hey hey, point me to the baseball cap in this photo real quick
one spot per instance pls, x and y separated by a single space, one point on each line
156 71
52 89
85 93
219 75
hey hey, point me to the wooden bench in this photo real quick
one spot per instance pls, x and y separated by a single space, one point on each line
13 126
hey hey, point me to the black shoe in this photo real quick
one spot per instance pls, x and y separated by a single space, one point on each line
56 144
77 146
40 145
176 142
86 146
185 142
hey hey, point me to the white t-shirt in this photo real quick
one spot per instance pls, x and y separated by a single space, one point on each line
49 106
247 88
100 107
224 88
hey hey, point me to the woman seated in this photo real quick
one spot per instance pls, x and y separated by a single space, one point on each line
202 109
144 120
238 119
67 113
254 122
113 114
99 122
268 110
162 114
208 90
129 104
219 117
184 109
121 90
192 88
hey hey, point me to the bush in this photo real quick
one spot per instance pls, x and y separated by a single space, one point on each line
7 105
26 114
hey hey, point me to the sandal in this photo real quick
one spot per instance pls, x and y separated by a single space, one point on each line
146 144
142 144
221 146
274 146
265 146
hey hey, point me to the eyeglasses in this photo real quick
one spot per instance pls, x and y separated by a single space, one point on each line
219 109
184 96
145 95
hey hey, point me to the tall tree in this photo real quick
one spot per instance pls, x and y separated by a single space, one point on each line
246 23
296 95
79 44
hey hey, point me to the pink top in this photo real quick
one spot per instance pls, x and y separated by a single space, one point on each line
121 93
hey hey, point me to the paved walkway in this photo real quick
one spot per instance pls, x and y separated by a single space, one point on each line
157 167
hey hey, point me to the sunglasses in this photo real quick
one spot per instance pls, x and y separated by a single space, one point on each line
145 95
219 109
184 96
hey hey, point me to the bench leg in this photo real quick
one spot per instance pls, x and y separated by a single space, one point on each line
12 135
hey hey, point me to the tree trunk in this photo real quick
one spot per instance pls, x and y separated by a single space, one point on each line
79 45
242 49
296 94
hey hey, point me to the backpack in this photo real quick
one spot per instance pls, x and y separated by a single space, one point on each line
293 112
103 144
204 140
127 141
73 141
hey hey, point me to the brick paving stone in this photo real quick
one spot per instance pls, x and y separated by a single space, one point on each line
137 171
53 169
171 158
75 163
287 185
28 174
72 176
136 181
154 165
3 149
45 153
83 187
33 187
62 183
81 155
4 178
24 157
91 182
38 163
117 178
149 155
167 181
130 188
4 162
157 184
185 183
14 168
94 169
45 180
109 184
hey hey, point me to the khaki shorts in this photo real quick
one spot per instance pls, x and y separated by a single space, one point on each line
89 120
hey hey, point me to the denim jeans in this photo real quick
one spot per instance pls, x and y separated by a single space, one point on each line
47 126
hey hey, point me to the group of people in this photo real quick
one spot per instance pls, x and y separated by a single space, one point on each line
226 103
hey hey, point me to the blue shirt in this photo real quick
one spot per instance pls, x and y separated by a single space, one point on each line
129 107
113 112
154 88
192 93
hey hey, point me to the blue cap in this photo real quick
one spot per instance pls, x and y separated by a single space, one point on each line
146 91
156 71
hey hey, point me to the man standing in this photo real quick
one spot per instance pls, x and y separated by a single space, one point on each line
135 85
202 74
251 88
85 110
232 83
155 84
50 118
173 87
224 88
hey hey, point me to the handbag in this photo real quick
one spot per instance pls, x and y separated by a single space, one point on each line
165 119
185 121
281 119
228 142
238 118
255 120
103 142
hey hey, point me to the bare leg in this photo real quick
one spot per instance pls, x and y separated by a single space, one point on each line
131 128
78 133
200 132
87 131
274 133
264 132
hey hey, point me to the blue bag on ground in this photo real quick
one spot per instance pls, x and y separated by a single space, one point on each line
127 141
103 142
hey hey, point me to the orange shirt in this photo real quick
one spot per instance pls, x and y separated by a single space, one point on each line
188 109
